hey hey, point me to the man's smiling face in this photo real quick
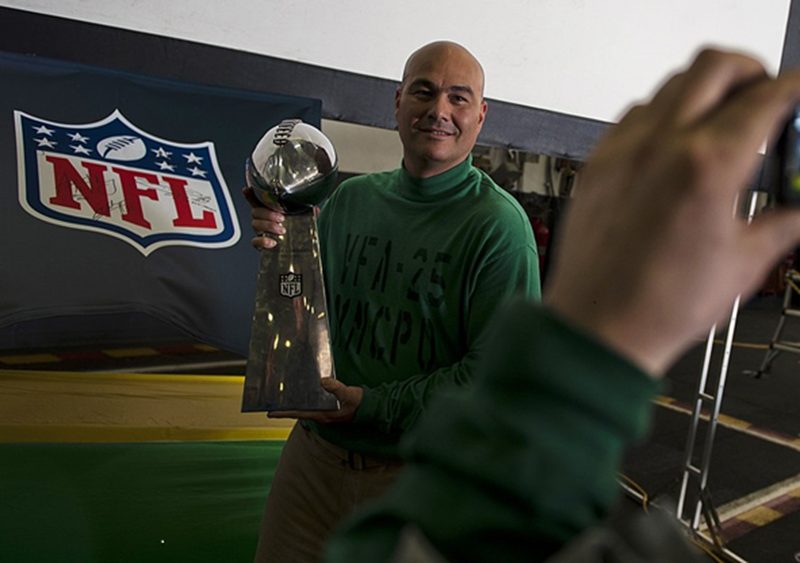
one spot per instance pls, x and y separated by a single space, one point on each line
439 108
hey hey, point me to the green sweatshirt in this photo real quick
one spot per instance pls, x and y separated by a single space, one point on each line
520 463
414 270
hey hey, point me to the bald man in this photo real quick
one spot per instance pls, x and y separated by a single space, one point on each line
417 259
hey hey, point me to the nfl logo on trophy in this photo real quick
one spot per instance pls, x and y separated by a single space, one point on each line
291 285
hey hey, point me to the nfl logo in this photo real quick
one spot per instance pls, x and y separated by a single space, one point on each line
113 178
291 285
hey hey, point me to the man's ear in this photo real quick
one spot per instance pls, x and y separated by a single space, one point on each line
484 109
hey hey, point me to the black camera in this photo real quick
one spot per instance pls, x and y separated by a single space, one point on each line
787 162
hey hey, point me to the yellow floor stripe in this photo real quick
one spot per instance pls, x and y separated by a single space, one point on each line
29 359
760 516
763 497
42 406
724 419
137 352
729 422
103 434
130 352
733 422
154 377
749 345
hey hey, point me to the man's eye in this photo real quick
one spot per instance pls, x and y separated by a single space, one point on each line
422 94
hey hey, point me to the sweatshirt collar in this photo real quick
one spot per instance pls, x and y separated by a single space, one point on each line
435 186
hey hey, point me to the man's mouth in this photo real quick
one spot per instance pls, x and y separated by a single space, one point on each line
436 132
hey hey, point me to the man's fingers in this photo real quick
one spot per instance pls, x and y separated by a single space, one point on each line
331 385
712 77
266 214
759 110
270 227
687 98
770 237
263 242
266 221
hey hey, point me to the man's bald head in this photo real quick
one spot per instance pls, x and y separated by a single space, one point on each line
443 49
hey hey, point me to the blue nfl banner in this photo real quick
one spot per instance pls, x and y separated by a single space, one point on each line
113 178
122 194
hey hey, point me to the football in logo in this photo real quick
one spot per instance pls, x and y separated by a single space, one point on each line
122 147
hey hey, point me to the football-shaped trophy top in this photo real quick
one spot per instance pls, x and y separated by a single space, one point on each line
293 166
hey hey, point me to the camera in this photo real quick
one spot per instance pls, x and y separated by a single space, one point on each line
787 162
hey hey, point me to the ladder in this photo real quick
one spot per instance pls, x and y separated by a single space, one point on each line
776 345
697 475
694 475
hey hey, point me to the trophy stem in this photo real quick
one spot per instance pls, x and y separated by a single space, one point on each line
289 340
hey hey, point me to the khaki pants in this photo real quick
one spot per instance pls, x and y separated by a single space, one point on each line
316 485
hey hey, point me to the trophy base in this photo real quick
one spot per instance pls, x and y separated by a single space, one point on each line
293 398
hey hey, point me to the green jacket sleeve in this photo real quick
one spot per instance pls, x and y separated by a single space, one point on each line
517 465
396 406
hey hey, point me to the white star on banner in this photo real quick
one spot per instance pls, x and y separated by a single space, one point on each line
191 157
197 172
80 149
43 130
45 142
165 166
161 153
77 137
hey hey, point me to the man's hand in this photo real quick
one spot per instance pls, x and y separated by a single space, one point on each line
266 221
652 253
349 400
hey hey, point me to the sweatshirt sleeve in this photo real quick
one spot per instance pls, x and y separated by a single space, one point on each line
516 466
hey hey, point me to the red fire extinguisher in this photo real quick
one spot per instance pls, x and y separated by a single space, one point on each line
542 235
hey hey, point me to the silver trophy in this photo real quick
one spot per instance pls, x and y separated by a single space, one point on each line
294 168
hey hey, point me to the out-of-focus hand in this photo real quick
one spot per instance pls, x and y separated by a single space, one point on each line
652 254
349 400
267 222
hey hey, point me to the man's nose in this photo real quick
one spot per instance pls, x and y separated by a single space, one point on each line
439 107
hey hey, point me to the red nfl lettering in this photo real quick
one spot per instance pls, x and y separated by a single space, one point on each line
113 178
68 181
67 178
133 193
184 209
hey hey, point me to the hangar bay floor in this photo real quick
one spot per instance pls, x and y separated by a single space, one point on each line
754 478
